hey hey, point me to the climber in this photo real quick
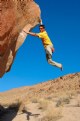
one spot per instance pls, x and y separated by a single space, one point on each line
49 49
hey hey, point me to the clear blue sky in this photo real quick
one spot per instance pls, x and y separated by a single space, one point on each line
62 21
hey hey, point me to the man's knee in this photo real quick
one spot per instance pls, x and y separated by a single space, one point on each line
48 56
49 61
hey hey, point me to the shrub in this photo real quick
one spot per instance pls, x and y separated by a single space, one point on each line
63 101
43 104
52 114
34 100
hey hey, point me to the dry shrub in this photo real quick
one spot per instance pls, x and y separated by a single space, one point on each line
43 104
62 101
78 103
52 114
78 92
34 100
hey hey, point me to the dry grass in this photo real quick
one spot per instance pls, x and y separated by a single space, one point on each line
52 114
78 103
15 103
43 104
62 101
34 100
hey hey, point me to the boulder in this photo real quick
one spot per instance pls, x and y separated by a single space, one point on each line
15 15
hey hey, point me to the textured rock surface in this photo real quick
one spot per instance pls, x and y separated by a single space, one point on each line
15 15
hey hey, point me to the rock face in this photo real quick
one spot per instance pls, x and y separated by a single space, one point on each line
15 15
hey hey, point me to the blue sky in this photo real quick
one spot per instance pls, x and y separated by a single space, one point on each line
62 21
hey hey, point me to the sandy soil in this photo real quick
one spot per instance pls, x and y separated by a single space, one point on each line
70 112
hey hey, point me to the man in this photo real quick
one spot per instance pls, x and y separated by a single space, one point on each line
49 49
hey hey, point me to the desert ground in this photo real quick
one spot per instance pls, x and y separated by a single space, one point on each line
53 100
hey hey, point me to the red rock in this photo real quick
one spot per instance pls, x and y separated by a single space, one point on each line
14 16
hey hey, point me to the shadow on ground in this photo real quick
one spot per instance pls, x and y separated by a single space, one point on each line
8 114
29 114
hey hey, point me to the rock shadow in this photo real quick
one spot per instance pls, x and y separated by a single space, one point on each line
8 114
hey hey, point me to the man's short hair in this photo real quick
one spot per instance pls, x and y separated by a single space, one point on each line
42 26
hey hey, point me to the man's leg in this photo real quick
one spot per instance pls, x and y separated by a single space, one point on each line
49 57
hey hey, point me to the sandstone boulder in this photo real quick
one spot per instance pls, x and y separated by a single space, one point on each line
15 15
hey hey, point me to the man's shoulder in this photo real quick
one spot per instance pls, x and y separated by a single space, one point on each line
43 32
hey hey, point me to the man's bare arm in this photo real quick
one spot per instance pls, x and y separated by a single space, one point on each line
31 33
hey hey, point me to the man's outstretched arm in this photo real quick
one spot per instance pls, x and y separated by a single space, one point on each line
31 33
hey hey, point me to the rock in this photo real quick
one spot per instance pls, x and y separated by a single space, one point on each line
15 15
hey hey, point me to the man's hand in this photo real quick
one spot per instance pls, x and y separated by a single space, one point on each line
52 50
40 21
